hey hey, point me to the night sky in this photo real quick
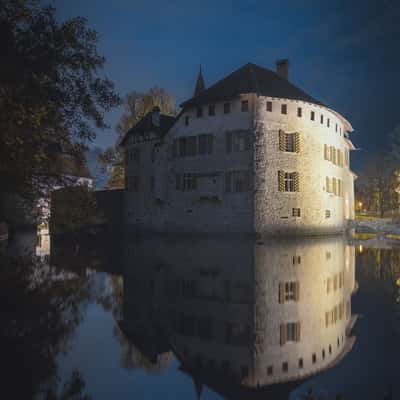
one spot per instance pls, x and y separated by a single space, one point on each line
344 53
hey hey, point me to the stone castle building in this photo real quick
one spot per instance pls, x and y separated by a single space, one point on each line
252 154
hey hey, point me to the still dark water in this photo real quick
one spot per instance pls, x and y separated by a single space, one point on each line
212 318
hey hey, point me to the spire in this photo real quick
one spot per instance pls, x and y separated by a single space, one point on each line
200 86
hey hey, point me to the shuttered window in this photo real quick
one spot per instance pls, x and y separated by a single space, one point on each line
334 188
289 142
289 332
288 181
269 105
289 291
327 184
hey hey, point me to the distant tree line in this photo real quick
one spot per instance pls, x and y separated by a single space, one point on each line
378 186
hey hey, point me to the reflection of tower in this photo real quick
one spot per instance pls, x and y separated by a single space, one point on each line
247 318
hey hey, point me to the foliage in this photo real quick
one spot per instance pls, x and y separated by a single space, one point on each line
136 105
50 93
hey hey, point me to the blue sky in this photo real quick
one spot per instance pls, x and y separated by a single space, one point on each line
345 53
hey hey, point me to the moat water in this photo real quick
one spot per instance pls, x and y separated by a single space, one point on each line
188 318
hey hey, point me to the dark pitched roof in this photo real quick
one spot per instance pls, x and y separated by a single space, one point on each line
250 78
145 124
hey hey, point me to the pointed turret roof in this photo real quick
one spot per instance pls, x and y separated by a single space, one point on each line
200 85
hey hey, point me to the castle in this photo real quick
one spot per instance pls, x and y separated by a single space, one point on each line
250 154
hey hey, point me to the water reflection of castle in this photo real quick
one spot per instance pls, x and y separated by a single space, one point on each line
245 317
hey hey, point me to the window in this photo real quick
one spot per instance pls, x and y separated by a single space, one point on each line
289 332
204 328
191 146
285 367
237 181
312 116
187 120
327 213
296 212
323 354
186 182
245 105
227 108
236 333
182 146
269 370
289 142
322 119
330 349
269 105
288 181
244 371
289 291
301 364
199 112
283 109
327 184
299 111
206 143
211 109
296 260
336 127
237 141
314 358
334 187
346 157
328 122
335 282
134 155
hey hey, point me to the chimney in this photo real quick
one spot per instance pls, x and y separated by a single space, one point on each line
282 68
155 116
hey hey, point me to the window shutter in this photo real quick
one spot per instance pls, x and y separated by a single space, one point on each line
297 142
282 334
326 155
282 146
281 293
334 185
228 138
281 181
228 180
327 188
297 291
297 331
296 182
